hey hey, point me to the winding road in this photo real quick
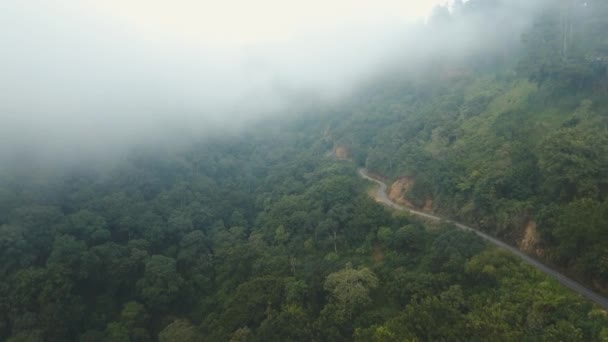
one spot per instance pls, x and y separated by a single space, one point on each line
381 197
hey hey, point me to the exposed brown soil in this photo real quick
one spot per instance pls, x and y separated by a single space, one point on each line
428 205
377 253
531 239
341 152
398 191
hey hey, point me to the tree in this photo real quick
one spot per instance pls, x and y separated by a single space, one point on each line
432 318
161 285
15 251
71 256
253 302
574 163
291 324
87 226
116 332
410 238
385 235
562 331
349 288
241 335
27 336
180 330
193 250
39 223
451 250
134 315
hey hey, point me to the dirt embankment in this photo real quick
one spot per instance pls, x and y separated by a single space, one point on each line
341 152
530 242
398 193
399 189
428 205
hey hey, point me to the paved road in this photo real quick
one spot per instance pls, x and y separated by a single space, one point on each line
564 280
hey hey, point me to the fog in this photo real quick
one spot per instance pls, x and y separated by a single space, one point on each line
83 77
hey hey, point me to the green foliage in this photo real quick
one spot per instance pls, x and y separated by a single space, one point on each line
291 324
349 288
179 331
246 238
502 144
209 260
575 162
161 284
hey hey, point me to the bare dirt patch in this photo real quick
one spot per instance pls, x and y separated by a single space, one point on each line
341 152
531 239
399 189
428 205
377 253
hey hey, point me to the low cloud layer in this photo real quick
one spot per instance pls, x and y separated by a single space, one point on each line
79 78
75 78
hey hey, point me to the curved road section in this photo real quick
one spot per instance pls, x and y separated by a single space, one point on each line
562 279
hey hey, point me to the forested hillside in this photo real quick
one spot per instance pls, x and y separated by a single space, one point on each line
271 235
514 142
260 239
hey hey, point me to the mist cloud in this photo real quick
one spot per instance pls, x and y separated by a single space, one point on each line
77 81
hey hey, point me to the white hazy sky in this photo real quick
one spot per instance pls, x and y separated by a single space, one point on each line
79 73
250 22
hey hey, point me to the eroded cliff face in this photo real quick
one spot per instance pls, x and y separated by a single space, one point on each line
398 192
399 189
530 242
341 152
